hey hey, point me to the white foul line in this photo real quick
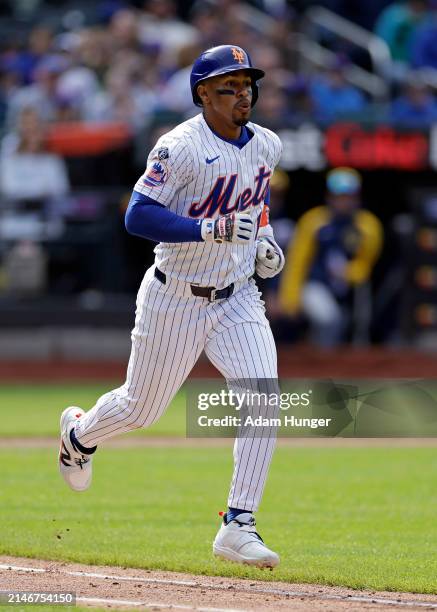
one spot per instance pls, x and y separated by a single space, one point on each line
23 569
116 602
153 605
190 583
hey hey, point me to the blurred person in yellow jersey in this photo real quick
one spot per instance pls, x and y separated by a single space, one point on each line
333 251
283 228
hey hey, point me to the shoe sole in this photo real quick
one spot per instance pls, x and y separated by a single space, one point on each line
62 428
230 555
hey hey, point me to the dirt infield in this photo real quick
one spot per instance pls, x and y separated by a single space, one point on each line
294 362
120 587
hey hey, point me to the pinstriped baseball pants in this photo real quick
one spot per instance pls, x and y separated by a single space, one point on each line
172 327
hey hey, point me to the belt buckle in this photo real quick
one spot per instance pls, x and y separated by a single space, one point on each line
211 297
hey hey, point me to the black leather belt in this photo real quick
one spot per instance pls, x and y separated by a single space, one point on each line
211 293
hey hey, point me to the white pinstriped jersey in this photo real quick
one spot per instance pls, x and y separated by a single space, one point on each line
197 174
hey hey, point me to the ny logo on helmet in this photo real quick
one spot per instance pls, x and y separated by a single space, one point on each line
238 55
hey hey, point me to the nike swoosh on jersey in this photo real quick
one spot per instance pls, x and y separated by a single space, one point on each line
209 161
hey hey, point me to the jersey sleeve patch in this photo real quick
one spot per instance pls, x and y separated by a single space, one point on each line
156 174
162 153
169 168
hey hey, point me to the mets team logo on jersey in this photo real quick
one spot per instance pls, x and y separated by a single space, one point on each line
155 175
221 200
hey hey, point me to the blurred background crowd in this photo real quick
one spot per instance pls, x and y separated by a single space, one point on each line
123 60
86 87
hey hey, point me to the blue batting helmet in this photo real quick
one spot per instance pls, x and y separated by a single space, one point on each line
221 60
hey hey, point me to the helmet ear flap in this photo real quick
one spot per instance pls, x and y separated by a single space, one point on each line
254 93
196 98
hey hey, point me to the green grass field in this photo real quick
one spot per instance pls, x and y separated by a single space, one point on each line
35 411
357 517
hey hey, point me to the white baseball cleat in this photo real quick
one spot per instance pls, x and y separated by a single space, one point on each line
75 467
239 541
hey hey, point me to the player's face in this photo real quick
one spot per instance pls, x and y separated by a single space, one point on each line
228 97
344 205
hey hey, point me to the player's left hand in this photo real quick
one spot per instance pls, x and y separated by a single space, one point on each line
269 257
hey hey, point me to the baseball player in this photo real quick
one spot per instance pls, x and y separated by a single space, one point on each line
204 198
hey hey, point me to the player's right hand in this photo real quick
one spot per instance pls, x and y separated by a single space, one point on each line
235 227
